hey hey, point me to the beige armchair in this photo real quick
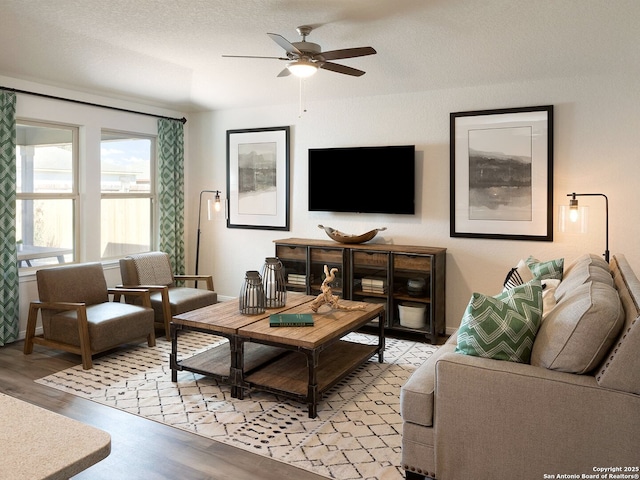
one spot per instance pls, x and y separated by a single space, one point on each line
78 317
153 271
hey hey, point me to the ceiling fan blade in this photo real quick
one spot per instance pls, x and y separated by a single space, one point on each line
284 43
284 73
253 56
345 53
334 67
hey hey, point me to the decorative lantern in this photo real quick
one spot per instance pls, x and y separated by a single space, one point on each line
273 281
251 300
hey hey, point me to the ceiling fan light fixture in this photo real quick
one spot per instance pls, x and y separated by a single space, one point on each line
302 68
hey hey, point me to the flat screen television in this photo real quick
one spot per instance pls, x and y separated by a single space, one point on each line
362 179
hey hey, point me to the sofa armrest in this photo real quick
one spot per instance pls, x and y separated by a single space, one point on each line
61 306
206 278
502 420
117 293
83 328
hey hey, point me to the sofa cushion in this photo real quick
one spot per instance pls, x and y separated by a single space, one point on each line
587 268
590 259
153 268
110 324
542 270
83 283
502 327
183 299
579 331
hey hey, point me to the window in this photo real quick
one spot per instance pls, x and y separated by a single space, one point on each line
47 193
127 163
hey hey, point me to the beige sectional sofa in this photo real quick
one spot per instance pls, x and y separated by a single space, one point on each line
574 410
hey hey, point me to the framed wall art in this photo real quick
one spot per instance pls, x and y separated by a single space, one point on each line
258 178
502 173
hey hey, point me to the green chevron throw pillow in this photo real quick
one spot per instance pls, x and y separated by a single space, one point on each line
502 327
542 270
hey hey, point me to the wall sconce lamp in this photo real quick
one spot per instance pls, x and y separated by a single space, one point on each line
216 207
574 214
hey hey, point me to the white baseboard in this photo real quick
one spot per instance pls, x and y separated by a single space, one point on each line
22 334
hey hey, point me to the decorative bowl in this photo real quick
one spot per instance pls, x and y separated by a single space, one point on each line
340 237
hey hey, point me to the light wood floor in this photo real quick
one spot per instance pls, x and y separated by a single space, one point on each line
140 448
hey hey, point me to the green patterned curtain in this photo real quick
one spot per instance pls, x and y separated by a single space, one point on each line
171 190
9 282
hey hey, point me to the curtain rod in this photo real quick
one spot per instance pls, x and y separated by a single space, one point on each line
53 97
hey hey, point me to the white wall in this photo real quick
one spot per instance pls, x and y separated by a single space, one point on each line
596 127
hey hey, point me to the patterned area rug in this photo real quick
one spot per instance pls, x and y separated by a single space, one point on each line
356 435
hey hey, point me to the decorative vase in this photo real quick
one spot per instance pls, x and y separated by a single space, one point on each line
273 283
416 286
251 300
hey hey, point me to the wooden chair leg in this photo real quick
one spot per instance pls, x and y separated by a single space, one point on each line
87 362
166 312
85 342
31 329
151 339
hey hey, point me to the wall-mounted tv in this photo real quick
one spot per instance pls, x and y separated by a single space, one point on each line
362 179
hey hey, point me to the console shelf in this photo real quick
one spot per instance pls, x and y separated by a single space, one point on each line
376 273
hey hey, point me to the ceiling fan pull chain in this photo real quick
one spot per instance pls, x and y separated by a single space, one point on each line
301 99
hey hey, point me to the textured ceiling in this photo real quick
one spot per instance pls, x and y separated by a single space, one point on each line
169 52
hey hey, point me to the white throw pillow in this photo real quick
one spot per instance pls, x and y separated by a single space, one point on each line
548 295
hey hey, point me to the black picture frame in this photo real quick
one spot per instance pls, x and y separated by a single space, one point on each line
501 175
258 178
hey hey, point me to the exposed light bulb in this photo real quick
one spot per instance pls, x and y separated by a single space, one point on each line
573 215
216 205
573 210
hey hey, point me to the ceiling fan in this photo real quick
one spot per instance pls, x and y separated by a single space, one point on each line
306 57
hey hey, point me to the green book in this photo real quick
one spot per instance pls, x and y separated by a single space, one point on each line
291 320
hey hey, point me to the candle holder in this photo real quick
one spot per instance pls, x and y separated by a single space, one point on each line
251 299
273 283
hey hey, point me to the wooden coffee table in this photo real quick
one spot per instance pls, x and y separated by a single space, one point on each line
221 319
297 362
317 356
